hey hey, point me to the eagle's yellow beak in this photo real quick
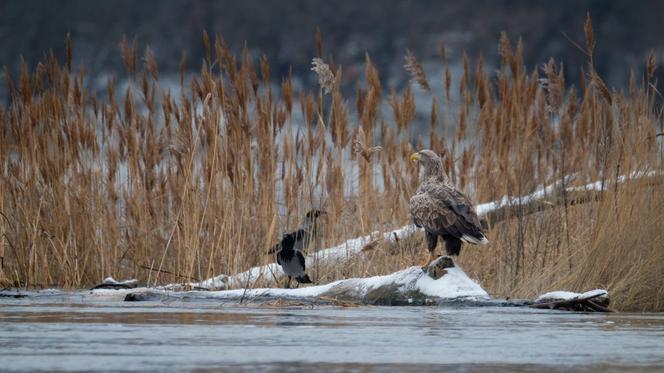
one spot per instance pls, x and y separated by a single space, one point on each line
415 157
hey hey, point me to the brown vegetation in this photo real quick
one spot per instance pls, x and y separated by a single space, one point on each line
200 181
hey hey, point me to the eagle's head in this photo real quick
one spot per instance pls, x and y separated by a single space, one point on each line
431 162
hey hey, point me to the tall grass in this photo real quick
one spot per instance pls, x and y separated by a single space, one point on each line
172 185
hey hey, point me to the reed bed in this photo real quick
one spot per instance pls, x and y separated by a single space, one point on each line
176 184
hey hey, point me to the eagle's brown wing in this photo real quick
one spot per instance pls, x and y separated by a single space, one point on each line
445 211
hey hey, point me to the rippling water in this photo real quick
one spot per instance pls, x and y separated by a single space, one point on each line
81 334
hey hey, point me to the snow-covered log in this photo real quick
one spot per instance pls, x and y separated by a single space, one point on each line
558 194
111 283
442 281
591 301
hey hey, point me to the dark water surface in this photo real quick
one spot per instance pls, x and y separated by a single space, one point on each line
62 333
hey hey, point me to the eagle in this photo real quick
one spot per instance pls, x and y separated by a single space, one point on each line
292 245
442 210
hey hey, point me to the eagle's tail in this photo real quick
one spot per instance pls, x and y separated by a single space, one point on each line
475 240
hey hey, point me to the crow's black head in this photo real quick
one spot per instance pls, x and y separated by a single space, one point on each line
314 214
288 240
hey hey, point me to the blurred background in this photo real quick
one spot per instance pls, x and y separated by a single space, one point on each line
285 32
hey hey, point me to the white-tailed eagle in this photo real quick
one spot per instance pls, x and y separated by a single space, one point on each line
442 210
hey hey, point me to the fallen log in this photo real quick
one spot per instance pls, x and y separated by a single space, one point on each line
111 283
16 295
557 195
442 281
591 301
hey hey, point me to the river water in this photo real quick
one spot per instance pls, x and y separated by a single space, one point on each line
76 333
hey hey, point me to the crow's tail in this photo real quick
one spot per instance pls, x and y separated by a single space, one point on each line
304 279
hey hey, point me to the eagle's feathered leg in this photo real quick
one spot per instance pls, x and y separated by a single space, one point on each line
452 245
432 241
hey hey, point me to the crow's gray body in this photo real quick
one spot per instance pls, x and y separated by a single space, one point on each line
292 261
291 248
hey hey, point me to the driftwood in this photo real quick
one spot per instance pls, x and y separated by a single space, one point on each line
411 286
110 283
559 195
440 282
558 199
12 295
391 293
112 286
598 302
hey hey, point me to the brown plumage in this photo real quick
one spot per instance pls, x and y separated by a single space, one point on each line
442 210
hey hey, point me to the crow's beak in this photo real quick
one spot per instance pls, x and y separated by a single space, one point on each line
415 157
273 250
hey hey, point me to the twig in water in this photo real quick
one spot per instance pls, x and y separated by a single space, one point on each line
152 269
246 288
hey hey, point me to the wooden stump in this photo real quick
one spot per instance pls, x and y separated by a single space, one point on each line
437 268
